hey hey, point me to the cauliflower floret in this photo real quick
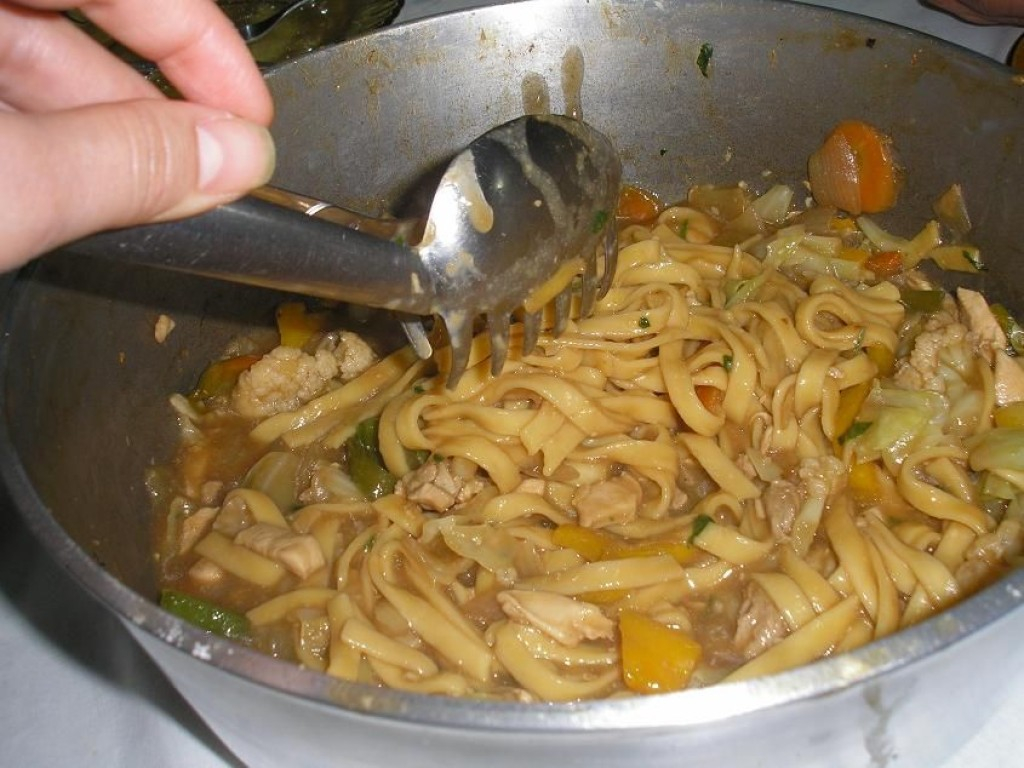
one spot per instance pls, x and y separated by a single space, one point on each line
353 354
282 380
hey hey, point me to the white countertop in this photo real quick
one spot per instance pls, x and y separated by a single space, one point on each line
77 691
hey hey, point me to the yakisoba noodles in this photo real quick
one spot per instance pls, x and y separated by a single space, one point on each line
754 454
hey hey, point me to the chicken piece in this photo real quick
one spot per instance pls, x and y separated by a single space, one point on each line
986 332
563 618
300 554
760 624
284 379
615 501
436 485
353 354
1008 379
782 500
922 370
194 527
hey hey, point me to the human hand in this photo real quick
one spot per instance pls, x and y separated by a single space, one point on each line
984 11
89 144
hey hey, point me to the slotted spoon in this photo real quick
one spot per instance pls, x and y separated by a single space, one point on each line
518 214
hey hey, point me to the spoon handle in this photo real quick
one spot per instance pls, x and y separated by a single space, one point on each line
257 242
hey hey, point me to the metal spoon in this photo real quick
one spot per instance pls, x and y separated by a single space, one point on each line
516 217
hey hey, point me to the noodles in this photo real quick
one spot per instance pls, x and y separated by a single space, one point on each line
761 454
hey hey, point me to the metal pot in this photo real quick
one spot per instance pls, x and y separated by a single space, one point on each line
85 384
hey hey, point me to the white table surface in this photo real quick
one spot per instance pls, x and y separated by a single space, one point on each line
77 691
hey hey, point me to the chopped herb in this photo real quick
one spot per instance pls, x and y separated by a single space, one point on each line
369 543
399 239
419 389
684 229
727 362
856 429
600 219
699 524
644 322
973 257
1013 330
662 152
704 58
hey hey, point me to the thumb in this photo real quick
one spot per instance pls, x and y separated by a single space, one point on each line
79 171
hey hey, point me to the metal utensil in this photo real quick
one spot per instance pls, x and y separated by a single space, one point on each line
516 216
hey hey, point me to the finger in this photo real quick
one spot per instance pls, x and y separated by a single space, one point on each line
71 173
46 63
194 44
196 47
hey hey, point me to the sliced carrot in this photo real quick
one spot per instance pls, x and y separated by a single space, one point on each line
885 264
636 205
875 164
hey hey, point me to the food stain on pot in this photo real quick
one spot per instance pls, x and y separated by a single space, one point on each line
572 82
536 96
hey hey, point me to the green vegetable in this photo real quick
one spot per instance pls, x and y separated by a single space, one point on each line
644 322
973 256
922 301
600 219
704 58
204 614
1013 330
999 448
856 429
727 362
684 229
365 465
699 524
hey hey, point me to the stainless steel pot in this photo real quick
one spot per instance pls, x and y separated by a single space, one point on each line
85 384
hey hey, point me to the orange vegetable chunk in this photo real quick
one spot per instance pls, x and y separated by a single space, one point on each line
655 658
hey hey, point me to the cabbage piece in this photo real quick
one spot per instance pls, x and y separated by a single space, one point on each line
277 475
999 448
899 418
913 251
773 206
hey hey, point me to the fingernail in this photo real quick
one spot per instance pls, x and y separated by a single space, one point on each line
234 155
